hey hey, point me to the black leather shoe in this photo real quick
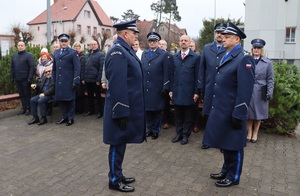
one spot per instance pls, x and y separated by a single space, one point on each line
149 133
33 120
154 136
218 176
204 146
70 122
43 120
225 183
99 115
177 138
23 111
184 140
62 121
127 180
121 187
88 113
27 113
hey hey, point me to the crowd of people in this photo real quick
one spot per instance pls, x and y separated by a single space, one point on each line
141 86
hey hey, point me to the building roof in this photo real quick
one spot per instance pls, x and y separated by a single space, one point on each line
74 7
174 28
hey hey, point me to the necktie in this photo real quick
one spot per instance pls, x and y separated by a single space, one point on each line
256 61
219 48
183 55
62 51
150 53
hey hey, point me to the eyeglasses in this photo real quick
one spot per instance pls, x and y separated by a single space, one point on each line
47 71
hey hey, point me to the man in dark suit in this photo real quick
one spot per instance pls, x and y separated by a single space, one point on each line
21 72
211 57
45 91
92 78
231 94
124 113
155 65
183 90
66 75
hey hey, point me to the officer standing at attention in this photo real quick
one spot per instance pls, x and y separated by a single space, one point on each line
155 65
124 113
211 57
231 94
66 75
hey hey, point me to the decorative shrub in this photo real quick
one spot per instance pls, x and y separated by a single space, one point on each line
284 108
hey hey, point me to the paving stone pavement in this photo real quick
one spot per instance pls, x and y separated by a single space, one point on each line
59 160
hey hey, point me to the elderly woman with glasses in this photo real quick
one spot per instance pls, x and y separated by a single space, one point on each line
262 92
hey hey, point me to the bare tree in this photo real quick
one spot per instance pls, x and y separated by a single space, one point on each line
21 34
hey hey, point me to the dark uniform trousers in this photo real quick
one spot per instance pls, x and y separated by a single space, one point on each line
184 116
233 164
68 109
167 109
115 159
23 88
93 89
153 119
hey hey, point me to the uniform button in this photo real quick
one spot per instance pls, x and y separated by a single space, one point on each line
212 107
217 57
216 68
147 80
149 63
215 84
218 72
214 95
147 90
59 75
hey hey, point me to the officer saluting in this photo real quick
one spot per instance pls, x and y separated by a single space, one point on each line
66 75
231 94
124 113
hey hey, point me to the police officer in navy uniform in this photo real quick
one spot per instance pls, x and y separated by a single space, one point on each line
66 75
155 65
183 89
210 60
231 94
124 113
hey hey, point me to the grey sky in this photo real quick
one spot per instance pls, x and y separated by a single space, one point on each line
192 12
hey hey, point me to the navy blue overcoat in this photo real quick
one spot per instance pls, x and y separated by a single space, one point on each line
210 60
66 74
124 96
184 78
233 86
156 78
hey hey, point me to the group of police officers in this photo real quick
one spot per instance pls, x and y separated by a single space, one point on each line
135 96
137 88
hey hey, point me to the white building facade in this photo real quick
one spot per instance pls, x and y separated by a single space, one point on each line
278 23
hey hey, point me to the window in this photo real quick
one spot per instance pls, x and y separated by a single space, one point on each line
38 28
290 34
88 30
79 29
87 14
95 31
